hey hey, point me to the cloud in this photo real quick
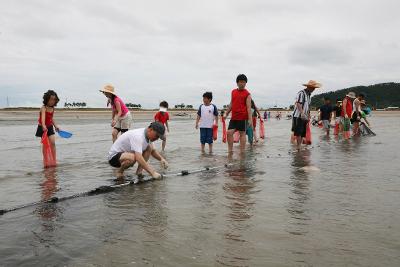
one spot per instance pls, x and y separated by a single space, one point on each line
175 50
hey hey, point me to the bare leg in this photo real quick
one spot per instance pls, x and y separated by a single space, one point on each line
146 155
299 141
229 136
127 160
52 139
164 143
242 141
114 134
203 148
210 148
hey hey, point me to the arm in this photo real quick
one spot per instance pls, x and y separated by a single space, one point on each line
43 116
156 155
197 122
142 162
55 125
248 105
166 124
228 110
344 104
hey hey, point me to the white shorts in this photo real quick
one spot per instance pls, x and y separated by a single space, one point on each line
124 123
326 124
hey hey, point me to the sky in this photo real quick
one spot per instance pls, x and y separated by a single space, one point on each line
176 50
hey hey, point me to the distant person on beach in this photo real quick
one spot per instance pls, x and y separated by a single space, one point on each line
337 111
301 113
356 115
46 122
255 113
121 119
265 116
241 119
136 146
325 115
207 117
347 110
162 116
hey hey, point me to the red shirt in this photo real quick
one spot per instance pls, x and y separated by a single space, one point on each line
239 108
349 107
48 120
160 117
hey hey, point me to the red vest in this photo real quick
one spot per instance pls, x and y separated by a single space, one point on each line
239 108
349 107
48 119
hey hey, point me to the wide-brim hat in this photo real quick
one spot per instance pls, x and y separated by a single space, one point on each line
313 84
351 95
108 89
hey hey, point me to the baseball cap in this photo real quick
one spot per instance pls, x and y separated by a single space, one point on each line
159 129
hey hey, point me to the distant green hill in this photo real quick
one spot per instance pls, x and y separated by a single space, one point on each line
377 96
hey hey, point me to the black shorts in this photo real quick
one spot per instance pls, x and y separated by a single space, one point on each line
355 117
299 127
114 161
240 126
39 130
121 130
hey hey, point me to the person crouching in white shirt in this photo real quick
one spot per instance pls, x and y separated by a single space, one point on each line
136 146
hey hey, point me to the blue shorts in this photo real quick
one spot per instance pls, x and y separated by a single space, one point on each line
206 135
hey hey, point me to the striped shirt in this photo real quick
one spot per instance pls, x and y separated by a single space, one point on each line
304 98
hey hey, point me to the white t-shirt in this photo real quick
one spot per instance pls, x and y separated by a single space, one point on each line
130 141
207 114
304 99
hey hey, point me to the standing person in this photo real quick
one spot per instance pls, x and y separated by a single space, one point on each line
265 116
325 115
356 115
207 117
136 146
301 113
241 119
337 111
347 110
162 116
255 114
121 119
46 121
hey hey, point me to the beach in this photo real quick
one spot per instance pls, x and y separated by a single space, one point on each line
333 204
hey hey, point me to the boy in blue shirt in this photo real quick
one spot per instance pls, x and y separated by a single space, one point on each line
207 116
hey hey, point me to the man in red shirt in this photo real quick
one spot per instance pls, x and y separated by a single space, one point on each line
163 117
241 118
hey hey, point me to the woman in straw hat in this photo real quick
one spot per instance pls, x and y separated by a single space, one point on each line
121 118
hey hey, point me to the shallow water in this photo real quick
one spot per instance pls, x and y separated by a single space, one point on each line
334 204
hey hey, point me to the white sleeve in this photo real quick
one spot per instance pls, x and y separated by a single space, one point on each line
136 145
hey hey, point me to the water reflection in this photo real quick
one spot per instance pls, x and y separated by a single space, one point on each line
48 212
300 193
238 189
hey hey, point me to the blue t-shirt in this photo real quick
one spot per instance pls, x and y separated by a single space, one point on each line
326 111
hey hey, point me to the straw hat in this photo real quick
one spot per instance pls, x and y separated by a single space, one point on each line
351 95
108 89
312 84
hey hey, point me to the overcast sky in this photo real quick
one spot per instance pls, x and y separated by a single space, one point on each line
176 50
